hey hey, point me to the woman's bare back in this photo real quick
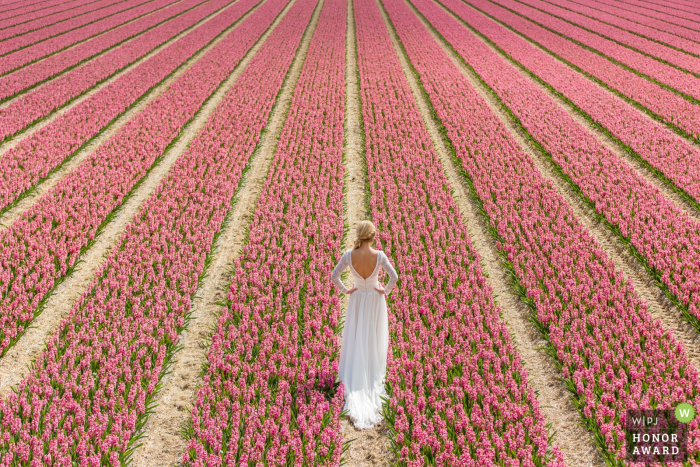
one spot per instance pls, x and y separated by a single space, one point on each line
364 260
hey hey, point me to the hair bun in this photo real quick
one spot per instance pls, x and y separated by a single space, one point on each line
364 231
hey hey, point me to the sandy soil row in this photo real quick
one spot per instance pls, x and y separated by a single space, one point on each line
368 447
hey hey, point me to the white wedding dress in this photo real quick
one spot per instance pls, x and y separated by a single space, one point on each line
365 342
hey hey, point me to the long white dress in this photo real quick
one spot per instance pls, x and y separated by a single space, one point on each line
365 344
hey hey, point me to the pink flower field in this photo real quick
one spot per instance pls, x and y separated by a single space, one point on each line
179 178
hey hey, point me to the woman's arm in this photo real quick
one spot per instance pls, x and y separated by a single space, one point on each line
393 277
335 275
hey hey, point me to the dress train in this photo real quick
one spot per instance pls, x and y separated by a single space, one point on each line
363 353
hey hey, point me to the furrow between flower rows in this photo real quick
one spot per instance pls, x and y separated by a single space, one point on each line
43 246
50 20
273 359
459 392
637 18
662 104
16 17
92 390
660 37
143 36
659 233
613 355
36 157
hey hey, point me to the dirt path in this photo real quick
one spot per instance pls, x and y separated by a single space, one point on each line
107 132
368 447
164 444
355 194
555 403
14 365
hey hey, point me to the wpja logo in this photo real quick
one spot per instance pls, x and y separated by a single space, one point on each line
658 435
685 413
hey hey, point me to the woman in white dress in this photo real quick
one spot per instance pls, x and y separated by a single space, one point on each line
365 344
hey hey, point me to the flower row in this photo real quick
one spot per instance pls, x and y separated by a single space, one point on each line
38 68
28 48
667 75
38 155
666 239
613 355
683 5
670 14
273 359
18 9
38 104
458 391
19 3
43 245
637 18
650 142
661 103
20 15
647 32
23 26
93 387
679 6
644 46
32 12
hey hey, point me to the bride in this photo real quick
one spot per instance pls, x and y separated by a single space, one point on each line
366 332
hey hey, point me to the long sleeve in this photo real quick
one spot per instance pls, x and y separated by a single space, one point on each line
393 277
335 275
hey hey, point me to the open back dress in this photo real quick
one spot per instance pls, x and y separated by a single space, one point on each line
363 353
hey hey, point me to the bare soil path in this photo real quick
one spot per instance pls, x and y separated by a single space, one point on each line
369 447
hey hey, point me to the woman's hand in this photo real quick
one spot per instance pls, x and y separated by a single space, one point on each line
351 290
380 290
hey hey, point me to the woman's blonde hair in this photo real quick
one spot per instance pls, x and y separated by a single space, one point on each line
365 230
